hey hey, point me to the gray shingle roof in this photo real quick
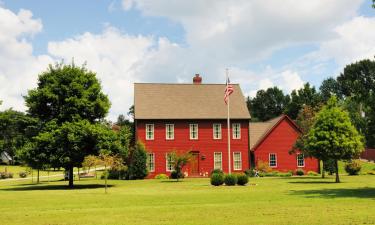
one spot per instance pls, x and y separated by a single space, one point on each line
187 101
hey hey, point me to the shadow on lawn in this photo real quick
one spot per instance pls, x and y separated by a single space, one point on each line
40 187
365 192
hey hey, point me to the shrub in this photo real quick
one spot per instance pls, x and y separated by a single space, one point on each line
104 174
230 179
217 179
250 172
242 179
117 174
176 175
22 174
6 175
161 176
353 167
271 174
264 167
312 173
288 174
217 171
371 172
300 172
137 168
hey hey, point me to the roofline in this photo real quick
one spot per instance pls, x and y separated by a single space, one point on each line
284 116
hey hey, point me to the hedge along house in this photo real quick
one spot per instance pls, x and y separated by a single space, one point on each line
271 141
191 118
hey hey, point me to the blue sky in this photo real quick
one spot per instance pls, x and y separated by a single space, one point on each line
263 43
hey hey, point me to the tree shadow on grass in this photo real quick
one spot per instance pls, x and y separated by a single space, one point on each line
41 187
365 192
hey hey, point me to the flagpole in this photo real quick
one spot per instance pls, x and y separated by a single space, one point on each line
228 128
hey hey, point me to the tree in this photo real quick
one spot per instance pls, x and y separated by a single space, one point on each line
15 131
268 104
137 168
328 88
69 102
304 96
333 136
179 161
89 162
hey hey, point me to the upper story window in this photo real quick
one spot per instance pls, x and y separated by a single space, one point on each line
236 128
300 160
169 131
217 130
218 160
193 131
272 160
149 131
151 162
237 161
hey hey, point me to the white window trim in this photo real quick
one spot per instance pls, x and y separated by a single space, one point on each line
240 161
166 131
153 161
213 131
221 160
190 126
153 129
269 160
166 163
303 160
233 131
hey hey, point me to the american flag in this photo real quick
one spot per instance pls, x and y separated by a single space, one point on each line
228 91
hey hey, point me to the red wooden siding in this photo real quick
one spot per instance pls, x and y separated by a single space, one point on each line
205 145
368 154
280 141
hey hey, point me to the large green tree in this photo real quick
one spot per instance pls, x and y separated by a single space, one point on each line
267 104
70 104
304 96
333 136
330 87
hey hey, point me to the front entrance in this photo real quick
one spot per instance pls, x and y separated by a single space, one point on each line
194 164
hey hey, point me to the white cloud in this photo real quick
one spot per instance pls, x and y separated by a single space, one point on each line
18 66
290 81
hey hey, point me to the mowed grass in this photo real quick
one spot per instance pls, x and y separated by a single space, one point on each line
295 200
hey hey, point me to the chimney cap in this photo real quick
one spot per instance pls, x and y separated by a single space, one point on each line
197 79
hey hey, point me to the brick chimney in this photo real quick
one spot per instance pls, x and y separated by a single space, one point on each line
197 79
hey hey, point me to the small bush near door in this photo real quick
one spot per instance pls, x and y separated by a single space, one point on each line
230 179
242 179
217 179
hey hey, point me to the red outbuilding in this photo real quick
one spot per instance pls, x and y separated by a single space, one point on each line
271 142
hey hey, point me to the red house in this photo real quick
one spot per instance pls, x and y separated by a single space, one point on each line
191 117
271 142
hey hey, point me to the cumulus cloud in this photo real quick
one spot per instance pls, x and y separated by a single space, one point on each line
18 66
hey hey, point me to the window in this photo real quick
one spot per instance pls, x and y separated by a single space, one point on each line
218 160
236 128
151 162
149 131
272 160
300 160
193 131
237 161
217 130
169 162
169 131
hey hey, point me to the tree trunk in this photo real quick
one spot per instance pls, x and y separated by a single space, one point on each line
323 172
37 179
337 172
71 177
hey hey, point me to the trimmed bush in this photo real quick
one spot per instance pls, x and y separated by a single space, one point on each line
300 172
176 175
162 176
6 175
264 167
217 179
230 179
217 171
250 172
353 167
312 174
22 174
242 179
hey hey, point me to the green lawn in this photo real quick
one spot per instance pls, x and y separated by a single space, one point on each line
295 200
